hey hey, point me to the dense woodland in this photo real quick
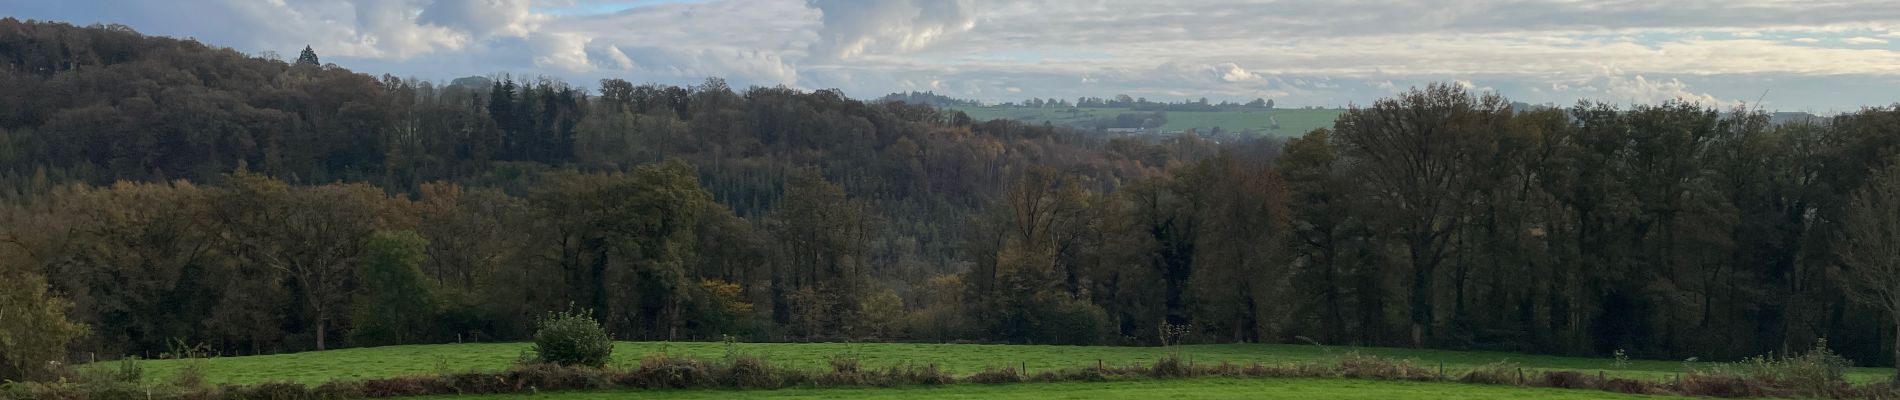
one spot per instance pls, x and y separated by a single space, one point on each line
159 191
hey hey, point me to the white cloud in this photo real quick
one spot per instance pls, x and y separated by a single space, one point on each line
563 50
1612 85
853 27
480 17
379 29
1236 74
1821 52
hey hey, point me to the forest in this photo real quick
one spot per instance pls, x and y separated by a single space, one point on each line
159 192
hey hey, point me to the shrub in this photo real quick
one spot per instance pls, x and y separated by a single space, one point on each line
930 374
845 371
269 391
192 376
477 383
662 372
1728 386
1817 373
36 331
1500 373
1630 386
1170 366
569 338
399 386
996 376
556 377
1072 375
1563 379
340 390
1355 365
748 372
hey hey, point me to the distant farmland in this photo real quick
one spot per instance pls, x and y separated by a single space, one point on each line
1293 122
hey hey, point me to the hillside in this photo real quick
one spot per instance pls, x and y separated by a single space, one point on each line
158 193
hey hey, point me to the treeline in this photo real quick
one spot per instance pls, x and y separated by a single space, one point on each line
886 188
174 192
929 98
1143 104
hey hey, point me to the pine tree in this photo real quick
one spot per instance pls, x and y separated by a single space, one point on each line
309 57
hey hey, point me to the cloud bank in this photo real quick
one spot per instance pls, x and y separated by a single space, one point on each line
1826 55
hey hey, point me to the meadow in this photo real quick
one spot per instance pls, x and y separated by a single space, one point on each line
1293 122
378 362
1150 389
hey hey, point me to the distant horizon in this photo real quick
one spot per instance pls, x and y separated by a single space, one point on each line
1821 57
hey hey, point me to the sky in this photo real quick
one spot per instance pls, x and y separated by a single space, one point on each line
1820 56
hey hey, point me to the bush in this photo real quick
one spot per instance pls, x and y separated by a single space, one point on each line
556 377
1727 386
748 372
1630 386
662 372
269 391
1500 373
845 371
568 338
1563 380
1818 373
996 376
478 383
1170 366
36 332
1355 365
930 374
340 390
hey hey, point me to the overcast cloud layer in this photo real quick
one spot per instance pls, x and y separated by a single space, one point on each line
1817 55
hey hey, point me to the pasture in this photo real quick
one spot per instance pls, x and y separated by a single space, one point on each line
378 362
1305 389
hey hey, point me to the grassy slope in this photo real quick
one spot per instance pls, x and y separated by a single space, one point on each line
361 363
1177 389
1293 122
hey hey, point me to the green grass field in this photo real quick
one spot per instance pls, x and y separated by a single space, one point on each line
1293 122
1165 389
364 363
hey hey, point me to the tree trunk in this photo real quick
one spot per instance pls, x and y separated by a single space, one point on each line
322 319
1421 302
1896 349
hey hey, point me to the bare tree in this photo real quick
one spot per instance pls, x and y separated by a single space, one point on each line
1870 246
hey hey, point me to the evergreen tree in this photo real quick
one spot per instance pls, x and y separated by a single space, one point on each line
309 57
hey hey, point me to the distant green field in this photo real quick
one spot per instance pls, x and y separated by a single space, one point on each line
1168 389
1293 122
376 362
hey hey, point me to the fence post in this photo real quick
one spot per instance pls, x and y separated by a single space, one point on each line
1520 376
1441 370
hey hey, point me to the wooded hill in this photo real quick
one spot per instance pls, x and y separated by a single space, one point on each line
172 192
